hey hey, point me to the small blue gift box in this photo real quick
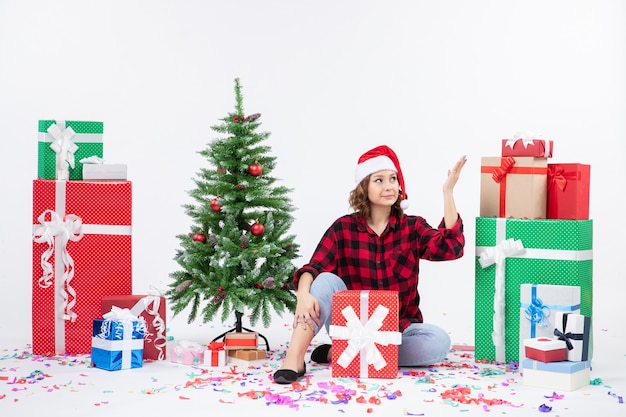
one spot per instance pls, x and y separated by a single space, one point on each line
117 344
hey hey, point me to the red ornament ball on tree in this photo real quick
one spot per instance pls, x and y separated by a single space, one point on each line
199 237
257 229
259 286
255 169
215 205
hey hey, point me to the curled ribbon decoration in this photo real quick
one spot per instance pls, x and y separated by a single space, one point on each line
497 256
58 232
537 312
362 338
150 304
63 145
505 166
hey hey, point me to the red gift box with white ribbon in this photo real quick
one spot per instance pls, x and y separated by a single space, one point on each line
526 146
152 309
82 251
365 334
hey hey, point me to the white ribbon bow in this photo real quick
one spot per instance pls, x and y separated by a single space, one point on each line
123 337
63 145
498 255
93 159
64 230
150 304
526 138
121 314
363 337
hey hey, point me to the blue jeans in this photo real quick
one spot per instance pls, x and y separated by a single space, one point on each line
422 344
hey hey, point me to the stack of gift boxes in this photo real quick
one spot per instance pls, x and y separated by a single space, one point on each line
82 299
236 345
534 264
82 254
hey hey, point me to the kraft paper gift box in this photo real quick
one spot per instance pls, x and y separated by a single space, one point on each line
82 251
248 354
117 341
568 191
538 148
513 187
512 252
104 171
556 376
575 331
215 354
544 349
365 334
540 306
62 144
241 340
187 353
152 309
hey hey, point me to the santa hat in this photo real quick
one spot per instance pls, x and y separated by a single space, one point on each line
378 159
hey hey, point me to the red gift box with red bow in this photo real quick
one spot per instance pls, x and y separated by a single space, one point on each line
568 191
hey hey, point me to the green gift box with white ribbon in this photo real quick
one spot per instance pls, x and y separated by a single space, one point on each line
511 252
62 144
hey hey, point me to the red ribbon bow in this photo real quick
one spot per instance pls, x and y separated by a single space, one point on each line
505 166
216 346
556 177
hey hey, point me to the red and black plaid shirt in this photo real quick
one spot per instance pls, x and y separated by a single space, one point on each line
366 261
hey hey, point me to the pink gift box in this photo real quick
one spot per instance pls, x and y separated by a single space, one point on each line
187 353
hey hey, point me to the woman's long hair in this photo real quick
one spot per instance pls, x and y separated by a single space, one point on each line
361 204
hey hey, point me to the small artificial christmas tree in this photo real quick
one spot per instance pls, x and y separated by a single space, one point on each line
239 253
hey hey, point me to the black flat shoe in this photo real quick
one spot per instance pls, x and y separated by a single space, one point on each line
320 354
287 376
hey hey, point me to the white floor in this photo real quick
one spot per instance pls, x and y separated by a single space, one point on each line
68 386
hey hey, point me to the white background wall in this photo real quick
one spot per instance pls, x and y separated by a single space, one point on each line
433 80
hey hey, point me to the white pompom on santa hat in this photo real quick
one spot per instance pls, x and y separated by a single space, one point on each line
378 159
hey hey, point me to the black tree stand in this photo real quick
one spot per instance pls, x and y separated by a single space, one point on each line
239 328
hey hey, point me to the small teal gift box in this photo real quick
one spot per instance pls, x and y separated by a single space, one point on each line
62 144
117 341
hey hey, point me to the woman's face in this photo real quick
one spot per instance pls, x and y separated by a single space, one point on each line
383 188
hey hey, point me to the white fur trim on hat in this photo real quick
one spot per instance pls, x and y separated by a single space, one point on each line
372 165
